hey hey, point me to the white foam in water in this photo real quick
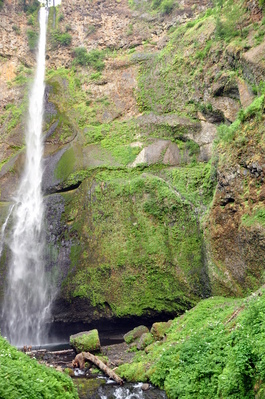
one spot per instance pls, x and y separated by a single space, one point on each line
125 393
27 303
78 372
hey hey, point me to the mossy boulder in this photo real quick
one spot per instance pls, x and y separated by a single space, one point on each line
87 341
89 386
135 334
158 330
145 340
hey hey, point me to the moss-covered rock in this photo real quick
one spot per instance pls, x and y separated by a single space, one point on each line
158 330
145 340
87 341
88 387
135 334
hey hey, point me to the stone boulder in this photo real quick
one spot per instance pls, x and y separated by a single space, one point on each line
145 340
135 334
158 330
87 341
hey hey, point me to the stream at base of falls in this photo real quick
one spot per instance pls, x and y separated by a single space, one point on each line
91 383
101 388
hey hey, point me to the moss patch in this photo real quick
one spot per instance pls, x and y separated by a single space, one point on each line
139 245
86 342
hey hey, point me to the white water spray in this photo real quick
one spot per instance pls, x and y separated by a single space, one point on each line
26 306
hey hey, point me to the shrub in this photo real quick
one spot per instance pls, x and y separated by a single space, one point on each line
92 58
254 109
59 38
167 6
1 4
30 6
68 28
16 29
192 147
30 20
156 3
32 39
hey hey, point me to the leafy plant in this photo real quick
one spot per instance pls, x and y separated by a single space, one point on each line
93 58
30 20
29 6
215 350
32 39
16 29
167 6
61 17
60 38
22 377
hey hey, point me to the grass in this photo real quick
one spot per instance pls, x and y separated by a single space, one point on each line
257 217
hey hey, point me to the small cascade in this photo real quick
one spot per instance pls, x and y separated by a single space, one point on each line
27 303
128 391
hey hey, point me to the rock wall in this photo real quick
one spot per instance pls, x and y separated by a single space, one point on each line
148 207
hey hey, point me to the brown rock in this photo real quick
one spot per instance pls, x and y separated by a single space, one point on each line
227 106
245 93
135 334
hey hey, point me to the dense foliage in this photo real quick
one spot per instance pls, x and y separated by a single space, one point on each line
61 38
32 39
30 6
24 378
213 351
93 58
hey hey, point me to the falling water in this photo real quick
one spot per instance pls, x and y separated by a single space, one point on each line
3 229
27 304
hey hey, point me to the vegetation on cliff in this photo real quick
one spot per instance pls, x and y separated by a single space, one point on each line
22 377
154 146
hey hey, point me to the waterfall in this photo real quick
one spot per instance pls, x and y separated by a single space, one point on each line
26 304
3 229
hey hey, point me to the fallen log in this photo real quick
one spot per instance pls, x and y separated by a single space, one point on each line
79 361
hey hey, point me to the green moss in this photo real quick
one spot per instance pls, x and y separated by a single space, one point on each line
88 342
257 217
135 334
159 330
151 258
133 372
88 386
61 38
212 351
65 165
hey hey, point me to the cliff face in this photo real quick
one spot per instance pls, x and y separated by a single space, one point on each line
144 214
